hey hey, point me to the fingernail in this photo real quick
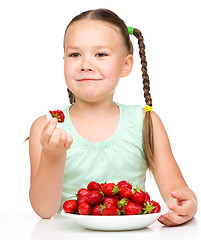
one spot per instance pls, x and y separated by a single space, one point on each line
165 216
54 119
162 219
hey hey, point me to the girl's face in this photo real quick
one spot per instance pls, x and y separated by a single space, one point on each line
95 58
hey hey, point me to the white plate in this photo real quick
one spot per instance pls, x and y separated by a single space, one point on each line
116 223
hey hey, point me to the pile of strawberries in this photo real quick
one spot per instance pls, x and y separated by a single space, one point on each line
107 199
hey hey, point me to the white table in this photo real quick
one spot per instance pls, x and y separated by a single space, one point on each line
25 227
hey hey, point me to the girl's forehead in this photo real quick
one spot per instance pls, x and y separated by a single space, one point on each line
92 29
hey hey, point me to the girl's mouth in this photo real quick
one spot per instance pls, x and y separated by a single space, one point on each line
89 79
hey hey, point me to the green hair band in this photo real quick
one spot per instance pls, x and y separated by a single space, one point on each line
130 30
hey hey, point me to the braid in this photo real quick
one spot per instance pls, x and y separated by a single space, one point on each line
145 75
71 96
148 143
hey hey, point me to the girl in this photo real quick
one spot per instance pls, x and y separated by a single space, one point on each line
101 139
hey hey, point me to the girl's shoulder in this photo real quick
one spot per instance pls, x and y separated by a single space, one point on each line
154 116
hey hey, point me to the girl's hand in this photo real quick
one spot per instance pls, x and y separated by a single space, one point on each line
54 140
181 212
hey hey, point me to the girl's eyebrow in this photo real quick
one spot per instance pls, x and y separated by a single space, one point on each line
95 47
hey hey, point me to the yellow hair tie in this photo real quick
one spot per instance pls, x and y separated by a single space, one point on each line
148 108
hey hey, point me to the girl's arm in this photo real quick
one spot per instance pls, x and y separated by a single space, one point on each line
180 199
47 149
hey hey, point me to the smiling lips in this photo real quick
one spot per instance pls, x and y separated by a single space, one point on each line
88 79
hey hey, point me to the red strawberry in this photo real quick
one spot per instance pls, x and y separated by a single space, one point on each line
157 207
122 203
93 186
124 184
148 207
110 200
132 209
110 189
95 198
102 184
96 210
138 196
116 197
83 192
82 199
84 209
58 114
147 198
125 193
70 206
108 209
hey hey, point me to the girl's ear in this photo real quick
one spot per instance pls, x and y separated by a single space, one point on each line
128 65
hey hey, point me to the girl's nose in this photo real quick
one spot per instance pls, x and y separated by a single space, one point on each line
86 66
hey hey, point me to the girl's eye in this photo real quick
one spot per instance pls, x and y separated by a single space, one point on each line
101 54
74 55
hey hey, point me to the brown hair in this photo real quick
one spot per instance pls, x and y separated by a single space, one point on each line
110 17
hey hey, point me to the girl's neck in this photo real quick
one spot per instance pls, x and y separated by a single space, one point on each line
95 110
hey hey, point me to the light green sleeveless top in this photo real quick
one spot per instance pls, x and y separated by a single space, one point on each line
119 157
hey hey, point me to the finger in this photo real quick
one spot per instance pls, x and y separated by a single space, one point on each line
179 196
185 209
63 137
69 141
55 138
165 221
174 218
48 129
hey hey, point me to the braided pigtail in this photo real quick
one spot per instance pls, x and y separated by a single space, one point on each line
71 96
148 142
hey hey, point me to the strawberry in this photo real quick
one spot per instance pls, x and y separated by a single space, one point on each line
93 186
58 114
96 210
95 198
147 198
70 206
157 207
138 196
132 209
102 184
82 199
110 189
148 207
124 184
84 209
151 207
122 203
116 197
110 200
125 193
83 192
108 209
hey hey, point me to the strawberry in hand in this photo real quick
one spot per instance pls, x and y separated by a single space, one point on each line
58 114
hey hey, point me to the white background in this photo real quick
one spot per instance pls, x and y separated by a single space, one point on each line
32 79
